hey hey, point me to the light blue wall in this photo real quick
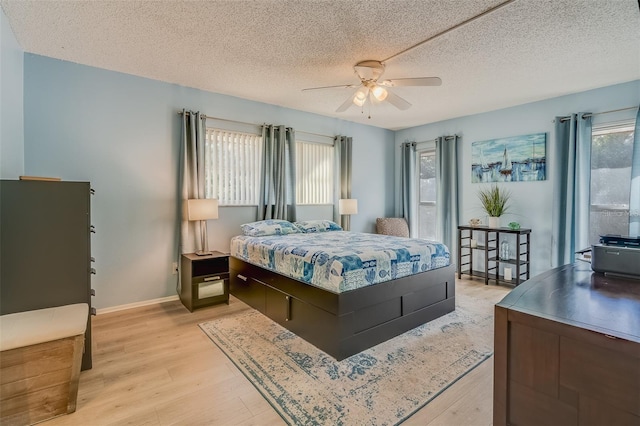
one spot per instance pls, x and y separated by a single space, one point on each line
11 103
532 201
122 133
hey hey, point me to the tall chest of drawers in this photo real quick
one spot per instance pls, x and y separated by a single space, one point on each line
45 247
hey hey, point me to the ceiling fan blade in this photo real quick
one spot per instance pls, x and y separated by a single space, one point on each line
397 101
344 86
346 104
418 81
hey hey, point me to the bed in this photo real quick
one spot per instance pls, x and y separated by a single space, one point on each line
343 292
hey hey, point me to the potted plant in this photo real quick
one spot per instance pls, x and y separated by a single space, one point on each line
495 203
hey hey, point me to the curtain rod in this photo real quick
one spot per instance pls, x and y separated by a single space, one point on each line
204 117
591 114
446 138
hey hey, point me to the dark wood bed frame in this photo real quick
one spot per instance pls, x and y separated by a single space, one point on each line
347 323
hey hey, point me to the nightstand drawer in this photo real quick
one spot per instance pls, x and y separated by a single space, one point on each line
210 286
210 289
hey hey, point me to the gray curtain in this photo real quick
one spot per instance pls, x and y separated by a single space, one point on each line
572 180
634 194
191 178
277 184
408 186
343 149
447 192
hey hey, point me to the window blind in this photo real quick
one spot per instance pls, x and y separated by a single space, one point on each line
314 173
232 167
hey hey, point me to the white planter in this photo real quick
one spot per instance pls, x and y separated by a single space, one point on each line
494 222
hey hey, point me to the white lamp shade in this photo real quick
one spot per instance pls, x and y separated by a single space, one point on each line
202 209
348 206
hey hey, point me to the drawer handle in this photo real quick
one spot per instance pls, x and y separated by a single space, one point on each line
242 277
288 317
212 278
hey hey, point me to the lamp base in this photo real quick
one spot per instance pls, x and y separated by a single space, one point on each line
203 253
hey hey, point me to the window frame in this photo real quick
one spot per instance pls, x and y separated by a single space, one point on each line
209 179
613 209
422 148
211 169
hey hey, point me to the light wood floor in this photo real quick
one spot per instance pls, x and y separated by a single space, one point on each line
153 366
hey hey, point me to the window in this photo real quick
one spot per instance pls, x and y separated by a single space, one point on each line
611 155
314 173
427 196
232 167
233 162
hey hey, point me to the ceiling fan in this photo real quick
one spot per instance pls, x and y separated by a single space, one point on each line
370 72
371 88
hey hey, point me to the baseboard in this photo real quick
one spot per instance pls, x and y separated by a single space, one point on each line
136 304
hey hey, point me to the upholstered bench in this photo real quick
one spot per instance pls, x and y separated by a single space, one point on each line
40 360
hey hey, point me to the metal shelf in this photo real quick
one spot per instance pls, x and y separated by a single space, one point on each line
491 241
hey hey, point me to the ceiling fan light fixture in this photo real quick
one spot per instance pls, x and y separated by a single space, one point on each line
380 93
373 91
361 96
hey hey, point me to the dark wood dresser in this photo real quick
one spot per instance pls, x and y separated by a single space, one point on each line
45 248
567 350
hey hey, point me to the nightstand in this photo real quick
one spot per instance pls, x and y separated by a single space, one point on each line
204 280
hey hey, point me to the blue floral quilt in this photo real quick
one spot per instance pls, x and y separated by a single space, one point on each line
340 261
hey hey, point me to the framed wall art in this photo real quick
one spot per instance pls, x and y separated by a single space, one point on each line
512 159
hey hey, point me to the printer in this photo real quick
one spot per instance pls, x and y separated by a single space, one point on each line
617 254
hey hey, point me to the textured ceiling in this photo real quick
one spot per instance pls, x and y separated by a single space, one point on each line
269 50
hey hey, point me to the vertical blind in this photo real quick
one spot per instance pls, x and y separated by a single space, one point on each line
232 167
314 173
233 162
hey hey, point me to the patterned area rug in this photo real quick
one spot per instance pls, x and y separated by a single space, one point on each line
383 385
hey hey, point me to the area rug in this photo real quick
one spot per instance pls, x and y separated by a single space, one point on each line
383 385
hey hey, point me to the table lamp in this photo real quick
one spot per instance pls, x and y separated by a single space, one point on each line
347 207
202 209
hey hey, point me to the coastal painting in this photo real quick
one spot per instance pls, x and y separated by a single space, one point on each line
513 159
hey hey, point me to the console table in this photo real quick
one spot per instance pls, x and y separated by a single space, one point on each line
491 248
567 350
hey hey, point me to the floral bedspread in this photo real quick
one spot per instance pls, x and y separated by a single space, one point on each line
340 261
